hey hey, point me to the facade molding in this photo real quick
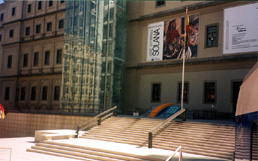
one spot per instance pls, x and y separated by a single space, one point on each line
177 10
217 59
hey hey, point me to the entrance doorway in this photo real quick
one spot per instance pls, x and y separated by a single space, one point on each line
236 87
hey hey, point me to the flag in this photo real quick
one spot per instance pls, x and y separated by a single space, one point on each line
187 28
2 111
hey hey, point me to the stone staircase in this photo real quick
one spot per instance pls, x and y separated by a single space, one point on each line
81 152
206 139
123 130
212 140
196 138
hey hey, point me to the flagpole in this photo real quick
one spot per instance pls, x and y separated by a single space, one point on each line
183 68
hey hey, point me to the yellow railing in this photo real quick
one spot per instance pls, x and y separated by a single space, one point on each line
96 120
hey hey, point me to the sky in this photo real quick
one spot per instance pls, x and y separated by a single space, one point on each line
1 1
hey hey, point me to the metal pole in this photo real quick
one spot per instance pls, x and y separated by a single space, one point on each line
183 70
150 140
180 155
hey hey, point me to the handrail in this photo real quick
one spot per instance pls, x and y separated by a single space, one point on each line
161 125
179 149
96 119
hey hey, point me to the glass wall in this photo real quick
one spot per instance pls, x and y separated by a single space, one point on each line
94 56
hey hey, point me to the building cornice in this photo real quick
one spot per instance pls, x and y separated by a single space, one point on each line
34 17
43 15
195 61
178 10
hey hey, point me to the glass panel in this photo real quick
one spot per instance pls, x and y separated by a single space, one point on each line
88 56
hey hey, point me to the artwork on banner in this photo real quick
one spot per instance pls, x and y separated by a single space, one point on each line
174 35
155 41
240 30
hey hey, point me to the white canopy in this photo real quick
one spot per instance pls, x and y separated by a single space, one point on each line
248 95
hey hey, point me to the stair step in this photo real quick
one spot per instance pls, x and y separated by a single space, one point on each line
206 139
58 154
81 152
97 151
209 153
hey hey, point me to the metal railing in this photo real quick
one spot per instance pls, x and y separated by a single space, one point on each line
96 120
3 156
179 149
162 125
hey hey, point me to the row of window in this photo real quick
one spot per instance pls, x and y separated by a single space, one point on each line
38 29
50 4
59 55
13 14
33 93
209 92
49 27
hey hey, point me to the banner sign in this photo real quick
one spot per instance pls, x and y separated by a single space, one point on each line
155 41
240 29
169 44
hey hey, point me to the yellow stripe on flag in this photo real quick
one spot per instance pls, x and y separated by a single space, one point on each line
187 28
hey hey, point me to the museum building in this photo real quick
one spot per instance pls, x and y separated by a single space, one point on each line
81 57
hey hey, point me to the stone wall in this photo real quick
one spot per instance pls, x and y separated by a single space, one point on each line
25 124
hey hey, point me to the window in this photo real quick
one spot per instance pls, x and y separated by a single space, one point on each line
156 90
160 3
11 33
212 36
56 93
59 56
23 92
62 1
44 93
61 24
38 29
27 32
9 61
25 60
209 92
29 8
36 59
39 5
49 26
47 58
33 93
2 17
6 95
13 11
0 37
50 3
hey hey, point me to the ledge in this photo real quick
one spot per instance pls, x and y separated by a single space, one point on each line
191 61
41 135
178 10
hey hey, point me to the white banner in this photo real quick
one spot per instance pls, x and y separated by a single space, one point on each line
155 41
240 29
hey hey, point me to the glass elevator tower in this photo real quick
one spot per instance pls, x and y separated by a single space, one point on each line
94 55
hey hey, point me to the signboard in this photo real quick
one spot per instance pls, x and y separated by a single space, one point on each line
166 39
240 29
155 41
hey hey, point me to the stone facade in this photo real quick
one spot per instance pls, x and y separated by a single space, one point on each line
31 49
211 65
24 124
